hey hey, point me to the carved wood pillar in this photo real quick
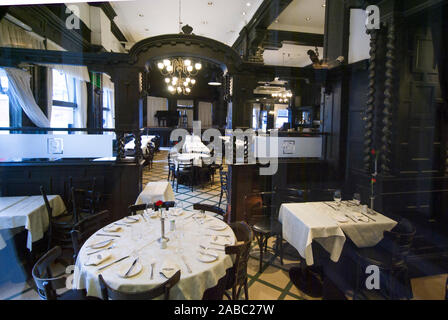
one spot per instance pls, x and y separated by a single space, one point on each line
120 147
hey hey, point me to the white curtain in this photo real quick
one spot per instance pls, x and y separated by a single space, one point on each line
77 72
49 92
109 92
16 37
155 104
20 89
205 110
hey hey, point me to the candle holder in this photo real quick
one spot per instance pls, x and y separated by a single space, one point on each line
162 226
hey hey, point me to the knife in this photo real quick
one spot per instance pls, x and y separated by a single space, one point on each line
107 265
186 264
99 243
129 217
108 235
350 218
132 267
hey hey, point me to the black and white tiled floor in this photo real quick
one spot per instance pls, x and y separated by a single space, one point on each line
271 284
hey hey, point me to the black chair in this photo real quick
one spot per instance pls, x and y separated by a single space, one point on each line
212 171
91 199
209 208
150 155
390 255
185 172
290 195
162 289
171 169
134 208
261 213
86 227
47 284
59 227
237 277
223 180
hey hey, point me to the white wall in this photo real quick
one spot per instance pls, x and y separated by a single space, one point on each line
359 42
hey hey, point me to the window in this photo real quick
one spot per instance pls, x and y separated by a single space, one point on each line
107 109
282 117
4 102
64 101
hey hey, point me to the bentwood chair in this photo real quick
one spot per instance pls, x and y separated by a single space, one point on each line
209 208
59 227
47 284
162 289
261 213
185 172
237 277
223 180
86 227
390 255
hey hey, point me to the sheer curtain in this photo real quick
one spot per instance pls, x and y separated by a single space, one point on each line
205 114
14 36
155 104
20 89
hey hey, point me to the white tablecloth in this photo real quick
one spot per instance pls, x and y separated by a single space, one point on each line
155 191
194 144
304 222
29 212
146 140
191 285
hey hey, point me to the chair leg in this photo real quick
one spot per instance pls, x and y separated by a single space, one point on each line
220 199
246 290
261 245
281 248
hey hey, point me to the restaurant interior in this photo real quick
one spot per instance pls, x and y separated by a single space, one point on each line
224 150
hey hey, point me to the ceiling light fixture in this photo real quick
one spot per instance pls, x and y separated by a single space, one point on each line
179 73
308 19
244 13
214 81
248 4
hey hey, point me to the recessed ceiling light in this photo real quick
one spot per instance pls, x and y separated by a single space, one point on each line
244 13
308 19
324 5
248 4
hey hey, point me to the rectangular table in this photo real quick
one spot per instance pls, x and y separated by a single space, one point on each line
323 222
29 212
155 191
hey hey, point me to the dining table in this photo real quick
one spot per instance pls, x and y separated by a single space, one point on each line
329 223
155 191
195 246
29 212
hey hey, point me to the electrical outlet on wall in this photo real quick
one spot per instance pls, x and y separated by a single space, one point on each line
55 145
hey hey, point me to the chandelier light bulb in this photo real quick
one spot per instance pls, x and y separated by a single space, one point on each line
160 65
281 100
188 90
187 80
198 66
167 80
166 62
171 88
179 89
189 68
193 81
187 62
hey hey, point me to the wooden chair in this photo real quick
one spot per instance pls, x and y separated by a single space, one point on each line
390 255
209 208
237 277
185 170
86 227
261 213
59 227
171 169
47 284
223 180
162 289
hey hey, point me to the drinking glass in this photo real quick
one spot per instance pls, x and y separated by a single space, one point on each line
357 199
337 197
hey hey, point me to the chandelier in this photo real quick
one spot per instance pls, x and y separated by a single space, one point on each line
179 74
283 96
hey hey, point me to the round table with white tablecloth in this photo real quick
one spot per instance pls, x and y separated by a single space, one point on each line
140 239
196 157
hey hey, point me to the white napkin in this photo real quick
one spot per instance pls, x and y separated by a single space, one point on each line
359 217
169 268
96 259
133 219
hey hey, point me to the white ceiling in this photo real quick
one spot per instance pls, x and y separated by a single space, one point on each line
294 18
222 21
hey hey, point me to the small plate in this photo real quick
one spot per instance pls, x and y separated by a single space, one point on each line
113 228
205 258
97 259
135 271
131 220
217 227
101 244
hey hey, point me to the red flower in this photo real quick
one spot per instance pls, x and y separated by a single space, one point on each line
373 152
373 180
159 203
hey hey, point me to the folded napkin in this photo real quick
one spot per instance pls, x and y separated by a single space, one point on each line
358 216
96 259
132 219
169 268
112 228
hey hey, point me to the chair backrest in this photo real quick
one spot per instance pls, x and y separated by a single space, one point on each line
86 227
206 207
258 206
241 250
399 240
184 165
290 195
223 178
47 205
134 208
45 282
162 289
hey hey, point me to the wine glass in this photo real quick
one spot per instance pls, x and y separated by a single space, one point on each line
337 197
357 199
